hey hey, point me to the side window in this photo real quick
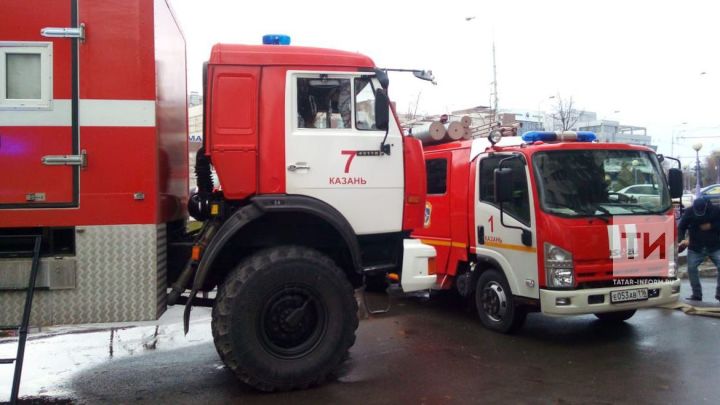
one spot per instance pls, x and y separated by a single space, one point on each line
519 207
364 104
487 179
436 176
324 102
25 75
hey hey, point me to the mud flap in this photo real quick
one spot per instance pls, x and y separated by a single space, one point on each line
418 272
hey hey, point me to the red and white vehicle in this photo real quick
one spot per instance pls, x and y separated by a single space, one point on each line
318 186
536 224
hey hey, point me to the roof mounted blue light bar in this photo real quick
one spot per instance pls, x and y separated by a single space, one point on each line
561 136
276 39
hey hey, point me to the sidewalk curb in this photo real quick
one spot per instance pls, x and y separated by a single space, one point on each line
704 271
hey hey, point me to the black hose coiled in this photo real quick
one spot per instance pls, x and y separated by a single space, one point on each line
199 202
203 174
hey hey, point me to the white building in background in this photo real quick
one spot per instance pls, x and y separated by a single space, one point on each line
613 131
195 126
195 131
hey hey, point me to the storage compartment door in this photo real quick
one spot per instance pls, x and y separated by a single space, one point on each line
39 150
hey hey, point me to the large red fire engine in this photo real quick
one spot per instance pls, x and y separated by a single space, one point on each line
318 186
551 222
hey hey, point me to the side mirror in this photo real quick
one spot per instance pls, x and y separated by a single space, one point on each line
426 75
503 184
383 78
382 110
675 181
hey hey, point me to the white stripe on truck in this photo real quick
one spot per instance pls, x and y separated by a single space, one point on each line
93 113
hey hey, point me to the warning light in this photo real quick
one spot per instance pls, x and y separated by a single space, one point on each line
564 136
276 39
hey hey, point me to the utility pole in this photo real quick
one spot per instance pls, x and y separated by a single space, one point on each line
495 91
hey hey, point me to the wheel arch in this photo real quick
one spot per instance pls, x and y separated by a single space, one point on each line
490 259
281 220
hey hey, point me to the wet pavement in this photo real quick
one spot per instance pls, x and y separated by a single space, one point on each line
421 352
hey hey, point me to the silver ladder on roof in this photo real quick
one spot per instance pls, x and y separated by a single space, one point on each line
23 327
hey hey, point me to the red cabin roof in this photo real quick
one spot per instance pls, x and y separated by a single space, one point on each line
265 55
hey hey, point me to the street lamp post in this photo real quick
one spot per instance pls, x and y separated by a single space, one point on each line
673 136
635 164
541 113
698 183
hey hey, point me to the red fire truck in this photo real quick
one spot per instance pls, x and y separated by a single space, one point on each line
318 187
549 222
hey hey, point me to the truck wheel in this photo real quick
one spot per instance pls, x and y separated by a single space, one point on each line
618 316
495 304
284 319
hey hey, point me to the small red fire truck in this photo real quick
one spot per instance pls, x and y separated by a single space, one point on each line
318 186
551 222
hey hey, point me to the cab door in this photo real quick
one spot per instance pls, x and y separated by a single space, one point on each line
39 149
332 149
501 239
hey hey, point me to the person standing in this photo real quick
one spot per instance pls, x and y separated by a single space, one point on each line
703 223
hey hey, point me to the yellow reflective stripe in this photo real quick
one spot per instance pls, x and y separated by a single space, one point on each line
511 247
444 243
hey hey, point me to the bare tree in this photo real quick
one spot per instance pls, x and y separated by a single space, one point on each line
565 114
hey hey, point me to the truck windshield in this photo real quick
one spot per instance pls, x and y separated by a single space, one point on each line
600 183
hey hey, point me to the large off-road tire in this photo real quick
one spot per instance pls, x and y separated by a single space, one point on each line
615 317
284 318
495 304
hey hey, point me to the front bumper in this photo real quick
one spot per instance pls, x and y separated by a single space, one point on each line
580 299
418 268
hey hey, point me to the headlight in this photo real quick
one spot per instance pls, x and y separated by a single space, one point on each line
560 277
495 136
558 266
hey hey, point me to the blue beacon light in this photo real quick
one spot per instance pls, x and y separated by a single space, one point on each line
567 136
276 39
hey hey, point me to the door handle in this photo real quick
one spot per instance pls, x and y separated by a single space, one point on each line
298 166
66 160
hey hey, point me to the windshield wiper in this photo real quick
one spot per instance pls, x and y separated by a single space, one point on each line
634 208
604 211
586 211
643 210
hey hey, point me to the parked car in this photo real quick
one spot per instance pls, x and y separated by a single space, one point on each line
642 193
712 193
687 199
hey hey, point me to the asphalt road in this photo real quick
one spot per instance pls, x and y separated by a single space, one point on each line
422 352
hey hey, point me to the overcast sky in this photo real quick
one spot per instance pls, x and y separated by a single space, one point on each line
644 59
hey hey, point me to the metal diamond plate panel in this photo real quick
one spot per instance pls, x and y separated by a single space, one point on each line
121 276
